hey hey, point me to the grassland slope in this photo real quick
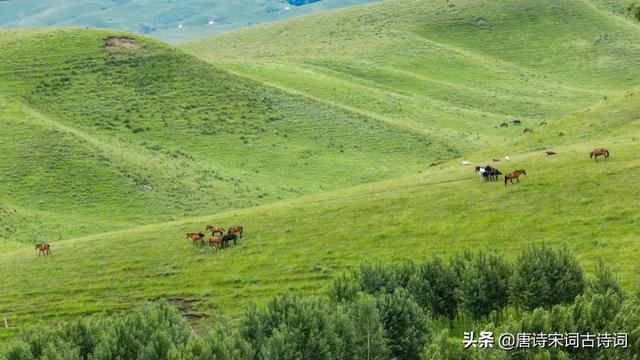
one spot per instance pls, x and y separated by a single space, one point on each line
296 245
119 131
454 69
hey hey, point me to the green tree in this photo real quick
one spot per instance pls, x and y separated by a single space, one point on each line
289 326
545 277
604 281
434 286
407 327
484 284
379 278
369 333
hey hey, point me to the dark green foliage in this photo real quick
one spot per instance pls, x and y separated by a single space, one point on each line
293 328
407 327
604 281
369 331
634 10
484 284
545 277
434 286
149 332
222 342
378 278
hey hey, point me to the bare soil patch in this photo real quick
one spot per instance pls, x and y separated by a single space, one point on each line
121 42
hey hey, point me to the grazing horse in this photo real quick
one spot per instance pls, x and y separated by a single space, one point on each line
196 237
216 229
504 124
216 241
514 175
516 122
236 230
527 130
229 237
43 248
599 152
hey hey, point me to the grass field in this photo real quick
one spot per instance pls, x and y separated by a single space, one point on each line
318 144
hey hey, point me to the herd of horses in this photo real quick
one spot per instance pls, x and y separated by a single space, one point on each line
489 173
216 241
220 240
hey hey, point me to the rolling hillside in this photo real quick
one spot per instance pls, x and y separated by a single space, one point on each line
121 132
442 68
319 144
296 245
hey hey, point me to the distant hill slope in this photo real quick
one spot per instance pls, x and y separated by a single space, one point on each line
172 21
114 131
444 67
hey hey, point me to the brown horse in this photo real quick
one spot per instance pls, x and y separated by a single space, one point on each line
215 229
196 237
43 248
599 152
514 175
215 241
236 230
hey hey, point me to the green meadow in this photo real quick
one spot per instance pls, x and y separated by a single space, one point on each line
317 135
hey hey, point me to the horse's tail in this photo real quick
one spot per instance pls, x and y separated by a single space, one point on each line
606 153
591 155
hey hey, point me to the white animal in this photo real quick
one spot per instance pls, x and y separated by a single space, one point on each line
507 158
180 26
210 22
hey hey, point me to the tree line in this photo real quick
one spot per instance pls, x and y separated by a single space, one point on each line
404 310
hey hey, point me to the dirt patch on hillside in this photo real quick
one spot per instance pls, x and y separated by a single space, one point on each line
121 42
185 306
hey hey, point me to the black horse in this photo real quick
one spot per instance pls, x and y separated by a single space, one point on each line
229 237
488 173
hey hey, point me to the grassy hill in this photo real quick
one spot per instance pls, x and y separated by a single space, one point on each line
353 108
171 21
443 68
119 132
296 245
